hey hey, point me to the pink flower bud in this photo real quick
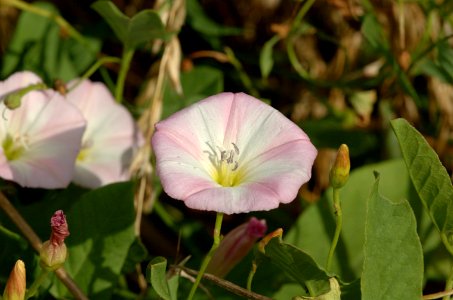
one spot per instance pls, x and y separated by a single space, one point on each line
59 228
53 252
235 246
16 285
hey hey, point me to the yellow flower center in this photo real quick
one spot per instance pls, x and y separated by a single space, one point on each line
13 148
84 151
226 170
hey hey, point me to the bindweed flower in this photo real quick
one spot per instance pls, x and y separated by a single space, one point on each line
110 137
231 153
16 284
339 173
235 246
40 138
53 252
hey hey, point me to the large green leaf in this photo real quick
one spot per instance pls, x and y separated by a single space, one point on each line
132 32
429 177
298 265
314 229
102 231
393 256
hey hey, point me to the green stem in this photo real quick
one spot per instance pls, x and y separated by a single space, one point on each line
207 259
48 14
125 63
243 76
446 243
449 283
301 14
36 284
339 223
94 67
251 275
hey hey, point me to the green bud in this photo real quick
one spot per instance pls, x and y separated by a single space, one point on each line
14 99
339 173
53 252
52 256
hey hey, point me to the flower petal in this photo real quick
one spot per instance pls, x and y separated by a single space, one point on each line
110 137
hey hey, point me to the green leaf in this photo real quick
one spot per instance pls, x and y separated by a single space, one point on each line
101 223
393 256
132 32
137 253
333 294
429 177
156 273
44 51
198 19
198 83
266 60
314 229
373 32
114 17
299 265
143 27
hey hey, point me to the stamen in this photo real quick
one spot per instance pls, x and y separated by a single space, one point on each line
225 163
236 149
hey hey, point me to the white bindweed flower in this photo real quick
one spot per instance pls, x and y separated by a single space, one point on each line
232 153
110 137
41 138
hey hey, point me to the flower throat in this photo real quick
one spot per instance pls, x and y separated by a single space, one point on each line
226 170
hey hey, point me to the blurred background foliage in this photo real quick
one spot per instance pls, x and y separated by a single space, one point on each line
341 69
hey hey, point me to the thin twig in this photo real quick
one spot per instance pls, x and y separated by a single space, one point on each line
227 285
36 243
437 295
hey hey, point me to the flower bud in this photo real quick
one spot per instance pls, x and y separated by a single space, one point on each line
13 101
53 252
235 246
16 285
339 173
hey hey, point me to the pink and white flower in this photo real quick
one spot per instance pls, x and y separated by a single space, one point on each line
232 153
110 137
41 138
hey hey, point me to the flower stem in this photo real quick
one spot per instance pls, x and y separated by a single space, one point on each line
215 244
94 67
47 14
449 283
37 283
339 223
125 63
251 275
